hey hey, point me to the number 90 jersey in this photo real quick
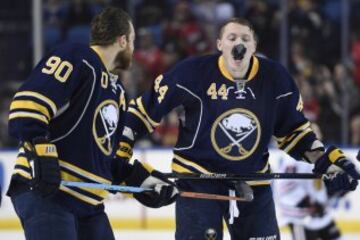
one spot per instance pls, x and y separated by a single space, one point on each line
227 125
72 99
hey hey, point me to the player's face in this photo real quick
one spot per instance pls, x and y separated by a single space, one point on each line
124 57
233 35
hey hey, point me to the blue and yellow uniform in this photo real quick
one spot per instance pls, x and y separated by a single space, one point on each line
225 129
71 98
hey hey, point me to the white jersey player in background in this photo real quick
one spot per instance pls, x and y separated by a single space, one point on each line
304 205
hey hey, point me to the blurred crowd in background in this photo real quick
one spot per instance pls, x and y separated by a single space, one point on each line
171 30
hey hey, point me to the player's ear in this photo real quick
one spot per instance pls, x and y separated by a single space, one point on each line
219 44
122 41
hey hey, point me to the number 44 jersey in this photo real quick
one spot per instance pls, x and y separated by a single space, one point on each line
227 126
72 99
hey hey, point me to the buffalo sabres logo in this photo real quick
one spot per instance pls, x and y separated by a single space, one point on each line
105 124
235 134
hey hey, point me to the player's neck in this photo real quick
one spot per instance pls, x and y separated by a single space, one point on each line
107 55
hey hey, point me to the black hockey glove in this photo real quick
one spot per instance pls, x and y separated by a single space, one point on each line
339 183
43 159
342 174
165 191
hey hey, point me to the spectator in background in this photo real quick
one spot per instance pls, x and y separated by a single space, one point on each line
79 13
311 105
262 15
330 111
355 53
355 127
55 12
185 30
149 57
167 133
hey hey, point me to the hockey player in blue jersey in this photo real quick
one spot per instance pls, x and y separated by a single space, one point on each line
68 116
234 102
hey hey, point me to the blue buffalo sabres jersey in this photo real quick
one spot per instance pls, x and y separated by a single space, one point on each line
226 128
72 99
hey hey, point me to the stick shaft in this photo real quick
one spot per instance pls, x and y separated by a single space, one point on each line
130 189
245 176
210 196
118 188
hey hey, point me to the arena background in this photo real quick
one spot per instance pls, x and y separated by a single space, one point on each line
317 40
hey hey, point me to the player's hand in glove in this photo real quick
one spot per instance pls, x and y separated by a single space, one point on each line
342 174
339 183
43 159
144 176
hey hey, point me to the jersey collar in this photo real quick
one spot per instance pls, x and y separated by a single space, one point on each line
254 68
96 50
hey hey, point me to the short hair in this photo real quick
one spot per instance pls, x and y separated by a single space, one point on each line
109 24
240 21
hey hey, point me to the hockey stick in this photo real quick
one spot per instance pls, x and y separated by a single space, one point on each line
130 189
244 176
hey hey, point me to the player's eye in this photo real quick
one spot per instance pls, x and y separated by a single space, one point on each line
246 39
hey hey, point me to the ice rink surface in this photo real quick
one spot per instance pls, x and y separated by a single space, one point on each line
146 235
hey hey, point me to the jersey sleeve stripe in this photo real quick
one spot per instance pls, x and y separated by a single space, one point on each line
83 172
266 168
28 104
22 161
142 118
98 192
39 96
79 196
178 168
190 164
296 140
22 114
22 173
143 111
284 140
